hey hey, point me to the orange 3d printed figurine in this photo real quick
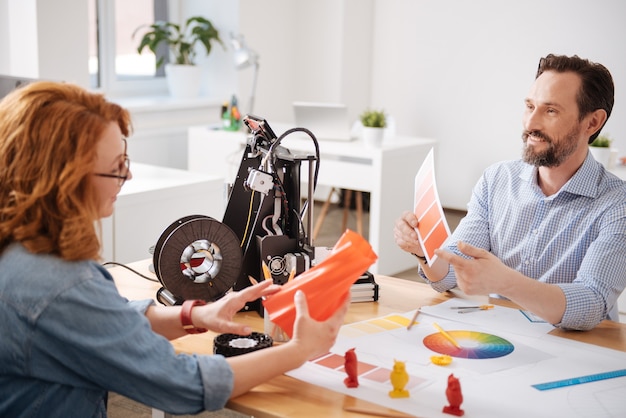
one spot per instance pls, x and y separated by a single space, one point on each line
351 366
455 397
399 378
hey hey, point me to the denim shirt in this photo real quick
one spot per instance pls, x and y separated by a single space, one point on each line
67 337
575 239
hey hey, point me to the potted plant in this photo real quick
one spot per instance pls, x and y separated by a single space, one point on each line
600 148
183 76
374 123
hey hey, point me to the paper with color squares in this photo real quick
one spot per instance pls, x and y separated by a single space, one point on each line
432 229
324 285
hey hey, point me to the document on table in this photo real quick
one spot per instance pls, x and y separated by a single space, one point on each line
499 318
498 370
432 229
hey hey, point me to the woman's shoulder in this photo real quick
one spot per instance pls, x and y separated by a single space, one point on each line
25 269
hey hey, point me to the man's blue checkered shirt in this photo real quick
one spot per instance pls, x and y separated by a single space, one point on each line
575 238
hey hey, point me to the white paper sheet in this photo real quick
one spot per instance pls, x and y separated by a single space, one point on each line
491 387
497 319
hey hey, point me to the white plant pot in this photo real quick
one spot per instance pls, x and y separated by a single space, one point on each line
183 81
602 155
373 137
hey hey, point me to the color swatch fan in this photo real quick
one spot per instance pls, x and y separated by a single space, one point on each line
432 229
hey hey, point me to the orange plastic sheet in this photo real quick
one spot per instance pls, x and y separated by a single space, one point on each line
324 285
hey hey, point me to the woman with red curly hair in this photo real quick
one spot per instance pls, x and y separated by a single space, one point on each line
68 337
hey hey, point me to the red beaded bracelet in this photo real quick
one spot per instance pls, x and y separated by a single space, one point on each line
185 316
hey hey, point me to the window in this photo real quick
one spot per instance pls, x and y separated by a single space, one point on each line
114 64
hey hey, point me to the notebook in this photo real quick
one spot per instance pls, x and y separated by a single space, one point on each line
327 121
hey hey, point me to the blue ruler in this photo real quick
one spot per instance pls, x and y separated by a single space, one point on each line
580 380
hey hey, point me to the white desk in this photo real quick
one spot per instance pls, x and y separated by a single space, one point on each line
387 172
150 202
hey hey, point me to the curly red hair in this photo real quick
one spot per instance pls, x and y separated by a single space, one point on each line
48 137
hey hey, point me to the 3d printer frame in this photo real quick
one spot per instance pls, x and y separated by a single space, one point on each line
264 208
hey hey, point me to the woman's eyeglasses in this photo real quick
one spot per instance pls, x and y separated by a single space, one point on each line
122 171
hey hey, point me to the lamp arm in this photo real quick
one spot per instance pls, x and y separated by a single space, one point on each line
252 92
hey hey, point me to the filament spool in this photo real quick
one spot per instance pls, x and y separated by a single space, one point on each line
197 257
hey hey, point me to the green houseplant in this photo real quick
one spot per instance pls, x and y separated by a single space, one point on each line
602 141
600 148
374 123
183 76
373 118
181 40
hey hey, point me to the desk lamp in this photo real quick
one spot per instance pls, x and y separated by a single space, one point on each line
244 58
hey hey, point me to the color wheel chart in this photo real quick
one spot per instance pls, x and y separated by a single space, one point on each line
474 345
381 340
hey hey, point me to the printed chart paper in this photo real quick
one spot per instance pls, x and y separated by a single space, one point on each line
432 229
498 370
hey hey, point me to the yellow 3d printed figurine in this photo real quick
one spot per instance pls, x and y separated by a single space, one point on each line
399 378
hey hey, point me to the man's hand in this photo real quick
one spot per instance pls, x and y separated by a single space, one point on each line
482 274
404 233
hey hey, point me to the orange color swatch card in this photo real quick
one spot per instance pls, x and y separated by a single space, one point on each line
432 228
324 285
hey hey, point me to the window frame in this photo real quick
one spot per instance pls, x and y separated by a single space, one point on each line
106 31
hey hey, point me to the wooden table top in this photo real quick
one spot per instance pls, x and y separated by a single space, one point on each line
284 396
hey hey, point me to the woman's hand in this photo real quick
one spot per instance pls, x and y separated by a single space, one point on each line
218 316
310 339
315 338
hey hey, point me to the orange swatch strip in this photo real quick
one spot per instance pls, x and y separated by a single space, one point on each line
432 229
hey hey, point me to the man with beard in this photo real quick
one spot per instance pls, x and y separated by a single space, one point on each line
548 231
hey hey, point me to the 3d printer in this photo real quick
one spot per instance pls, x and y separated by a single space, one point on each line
198 257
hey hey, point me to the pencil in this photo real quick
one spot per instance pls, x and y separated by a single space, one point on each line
252 280
413 319
445 334
292 274
267 274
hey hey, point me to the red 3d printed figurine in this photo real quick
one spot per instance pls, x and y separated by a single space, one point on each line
351 366
455 397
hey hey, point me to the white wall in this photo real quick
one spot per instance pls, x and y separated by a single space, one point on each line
309 51
44 39
4 37
59 33
453 70
458 71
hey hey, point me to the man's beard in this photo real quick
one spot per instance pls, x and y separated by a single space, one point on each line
555 153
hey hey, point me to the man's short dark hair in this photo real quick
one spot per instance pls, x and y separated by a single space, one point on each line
597 90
